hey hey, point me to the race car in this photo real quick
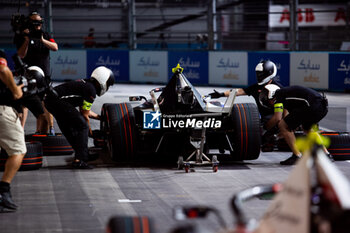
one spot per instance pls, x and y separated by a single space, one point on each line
176 120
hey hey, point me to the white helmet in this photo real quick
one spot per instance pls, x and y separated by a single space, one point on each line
265 71
35 71
104 77
37 74
267 93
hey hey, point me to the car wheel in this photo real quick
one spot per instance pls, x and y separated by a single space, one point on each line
340 145
246 135
130 224
32 160
119 127
52 145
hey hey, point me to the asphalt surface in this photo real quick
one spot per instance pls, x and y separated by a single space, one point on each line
56 198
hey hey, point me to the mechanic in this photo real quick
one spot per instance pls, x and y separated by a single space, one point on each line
33 46
62 100
265 71
11 133
305 106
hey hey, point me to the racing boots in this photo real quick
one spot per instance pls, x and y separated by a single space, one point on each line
291 160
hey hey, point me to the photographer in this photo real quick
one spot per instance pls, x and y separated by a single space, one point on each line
33 46
11 133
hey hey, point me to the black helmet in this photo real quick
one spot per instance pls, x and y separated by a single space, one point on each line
265 71
104 77
266 94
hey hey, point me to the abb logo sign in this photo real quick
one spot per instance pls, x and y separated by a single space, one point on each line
308 15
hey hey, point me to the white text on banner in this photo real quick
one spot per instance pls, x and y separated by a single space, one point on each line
309 70
228 68
148 66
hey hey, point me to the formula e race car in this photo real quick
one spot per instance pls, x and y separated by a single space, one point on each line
178 121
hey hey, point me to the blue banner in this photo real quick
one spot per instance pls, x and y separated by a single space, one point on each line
117 61
279 58
339 75
9 54
195 65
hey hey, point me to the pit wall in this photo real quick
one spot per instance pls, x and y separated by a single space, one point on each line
319 70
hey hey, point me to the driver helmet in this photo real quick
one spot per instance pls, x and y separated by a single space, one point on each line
37 74
268 93
265 71
104 77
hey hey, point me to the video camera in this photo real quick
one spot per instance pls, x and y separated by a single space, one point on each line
20 22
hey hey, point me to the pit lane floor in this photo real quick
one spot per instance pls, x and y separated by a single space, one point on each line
59 199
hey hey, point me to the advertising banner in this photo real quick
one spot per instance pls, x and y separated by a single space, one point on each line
68 65
9 53
339 75
148 66
281 61
309 15
117 61
195 65
228 68
309 70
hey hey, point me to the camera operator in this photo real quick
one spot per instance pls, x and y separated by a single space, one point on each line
11 133
33 46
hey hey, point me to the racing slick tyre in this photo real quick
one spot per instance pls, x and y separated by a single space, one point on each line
98 138
136 224
52 145
119 125
340 144
32 160
246 137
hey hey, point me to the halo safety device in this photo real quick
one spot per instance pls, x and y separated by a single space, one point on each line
267 93
265 71
104 77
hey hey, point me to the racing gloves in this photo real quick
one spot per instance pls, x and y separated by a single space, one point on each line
216 94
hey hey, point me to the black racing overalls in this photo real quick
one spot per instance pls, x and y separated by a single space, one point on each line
62 102
305 106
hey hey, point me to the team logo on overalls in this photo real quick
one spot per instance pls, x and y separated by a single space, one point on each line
152 120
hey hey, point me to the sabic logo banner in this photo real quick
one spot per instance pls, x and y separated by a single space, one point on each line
339 71
68 65
148 66
228 68
309 70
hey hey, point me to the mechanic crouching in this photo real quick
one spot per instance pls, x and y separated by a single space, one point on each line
305 106
62 100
